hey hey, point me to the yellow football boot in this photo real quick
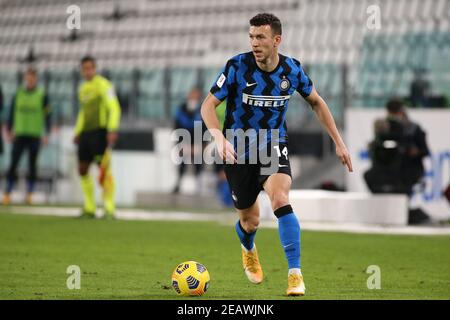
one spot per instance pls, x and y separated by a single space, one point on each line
252 267
296 285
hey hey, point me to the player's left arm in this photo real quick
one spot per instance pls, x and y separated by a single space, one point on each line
47 118
10 123
325 117
114 113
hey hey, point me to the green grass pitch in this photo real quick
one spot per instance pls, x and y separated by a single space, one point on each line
135 259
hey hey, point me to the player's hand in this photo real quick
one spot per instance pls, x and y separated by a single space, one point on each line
112 138
10 136
344 157
226 150
76 139
45 140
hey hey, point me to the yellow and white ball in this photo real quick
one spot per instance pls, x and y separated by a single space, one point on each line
190 278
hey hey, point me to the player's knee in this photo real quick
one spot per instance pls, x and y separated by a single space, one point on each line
250 224
279 199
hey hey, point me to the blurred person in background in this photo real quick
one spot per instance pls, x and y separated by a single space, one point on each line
1 115
188 117
416 150
28 126
96 132
420 90
397 152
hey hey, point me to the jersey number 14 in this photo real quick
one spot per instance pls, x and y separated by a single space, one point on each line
283 152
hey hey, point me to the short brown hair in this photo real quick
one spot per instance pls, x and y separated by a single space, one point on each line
32 71
394 105
87 58
262 19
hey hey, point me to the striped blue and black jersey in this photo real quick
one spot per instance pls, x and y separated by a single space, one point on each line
258 99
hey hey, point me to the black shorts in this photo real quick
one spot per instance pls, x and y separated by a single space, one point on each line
92 145
247 180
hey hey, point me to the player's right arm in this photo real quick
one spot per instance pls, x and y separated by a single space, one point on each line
209 115
217 94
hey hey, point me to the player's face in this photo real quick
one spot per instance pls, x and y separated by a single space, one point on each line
30 80
194 95
88 70
264 43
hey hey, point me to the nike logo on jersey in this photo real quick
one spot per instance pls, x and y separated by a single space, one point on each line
282 165
250 84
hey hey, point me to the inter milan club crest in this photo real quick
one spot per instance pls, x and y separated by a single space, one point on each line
285 84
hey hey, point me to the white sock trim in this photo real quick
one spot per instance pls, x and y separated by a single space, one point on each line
246 250
295 271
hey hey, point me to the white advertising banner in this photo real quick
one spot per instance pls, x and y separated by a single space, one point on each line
436 123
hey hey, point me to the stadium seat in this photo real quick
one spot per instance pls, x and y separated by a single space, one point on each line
185 34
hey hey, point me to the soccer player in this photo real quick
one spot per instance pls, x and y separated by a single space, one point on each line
96 133
28 125
258 85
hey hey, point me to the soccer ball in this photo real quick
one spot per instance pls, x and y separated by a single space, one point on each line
190 278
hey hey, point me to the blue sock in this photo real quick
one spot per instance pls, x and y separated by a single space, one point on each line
246 238
289 231
225 193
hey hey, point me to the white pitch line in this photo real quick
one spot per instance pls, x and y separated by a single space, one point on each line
121 214
229 218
